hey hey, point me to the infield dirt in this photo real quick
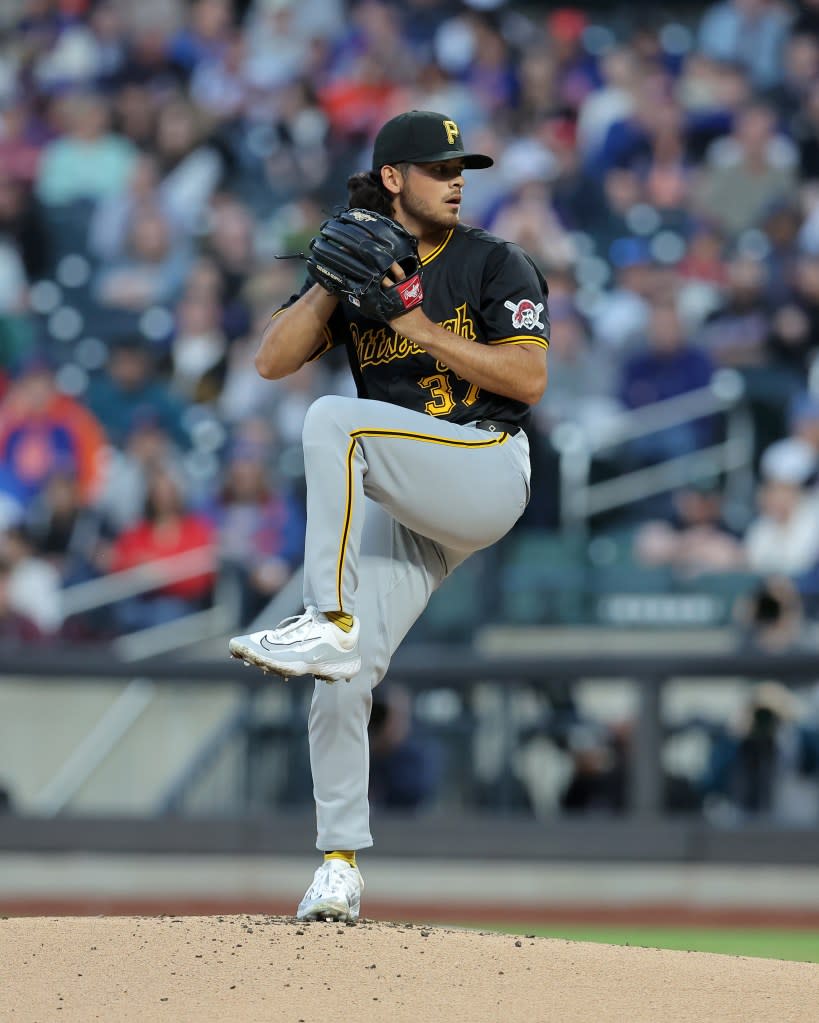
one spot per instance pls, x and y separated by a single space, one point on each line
254 969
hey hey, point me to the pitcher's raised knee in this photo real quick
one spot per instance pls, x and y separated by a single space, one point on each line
328 414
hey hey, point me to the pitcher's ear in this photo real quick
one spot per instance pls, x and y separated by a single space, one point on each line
392 179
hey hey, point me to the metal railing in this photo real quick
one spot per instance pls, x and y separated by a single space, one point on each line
187 630
131 582
424 669
577 447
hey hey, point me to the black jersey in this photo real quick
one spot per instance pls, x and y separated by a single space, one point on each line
476 285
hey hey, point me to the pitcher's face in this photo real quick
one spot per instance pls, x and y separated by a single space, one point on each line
430 196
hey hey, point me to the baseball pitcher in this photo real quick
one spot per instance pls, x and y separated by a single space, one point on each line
446 330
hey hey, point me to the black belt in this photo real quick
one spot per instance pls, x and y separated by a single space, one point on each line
497 426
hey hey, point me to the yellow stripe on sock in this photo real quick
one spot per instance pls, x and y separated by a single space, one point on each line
340 619
348 855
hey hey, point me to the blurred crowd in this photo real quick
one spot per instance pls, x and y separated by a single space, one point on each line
156 158
757 760
760 761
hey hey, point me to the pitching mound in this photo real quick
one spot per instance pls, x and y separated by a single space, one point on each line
253 969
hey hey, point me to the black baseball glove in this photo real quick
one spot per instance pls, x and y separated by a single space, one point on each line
354 251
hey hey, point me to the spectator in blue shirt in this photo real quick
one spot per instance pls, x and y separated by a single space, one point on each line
667 367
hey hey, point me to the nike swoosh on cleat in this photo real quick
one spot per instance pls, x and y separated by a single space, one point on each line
273 647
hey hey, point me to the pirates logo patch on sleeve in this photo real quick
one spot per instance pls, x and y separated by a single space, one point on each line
525 314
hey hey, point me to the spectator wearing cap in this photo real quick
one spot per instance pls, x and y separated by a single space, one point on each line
129 392
784 538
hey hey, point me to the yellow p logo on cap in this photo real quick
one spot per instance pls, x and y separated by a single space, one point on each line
452 132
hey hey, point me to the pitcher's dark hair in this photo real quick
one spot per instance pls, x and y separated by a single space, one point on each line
366 191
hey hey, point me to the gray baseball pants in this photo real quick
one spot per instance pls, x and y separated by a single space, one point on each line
396 500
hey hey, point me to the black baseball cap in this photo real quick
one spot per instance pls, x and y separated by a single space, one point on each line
423 136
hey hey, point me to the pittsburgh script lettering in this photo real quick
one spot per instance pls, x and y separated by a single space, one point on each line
381 345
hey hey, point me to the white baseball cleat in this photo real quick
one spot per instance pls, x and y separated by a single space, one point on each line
307 644
335 893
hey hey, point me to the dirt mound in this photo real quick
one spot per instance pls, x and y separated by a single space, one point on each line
251 969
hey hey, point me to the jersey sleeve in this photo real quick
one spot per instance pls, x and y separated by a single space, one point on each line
332 333
514 299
